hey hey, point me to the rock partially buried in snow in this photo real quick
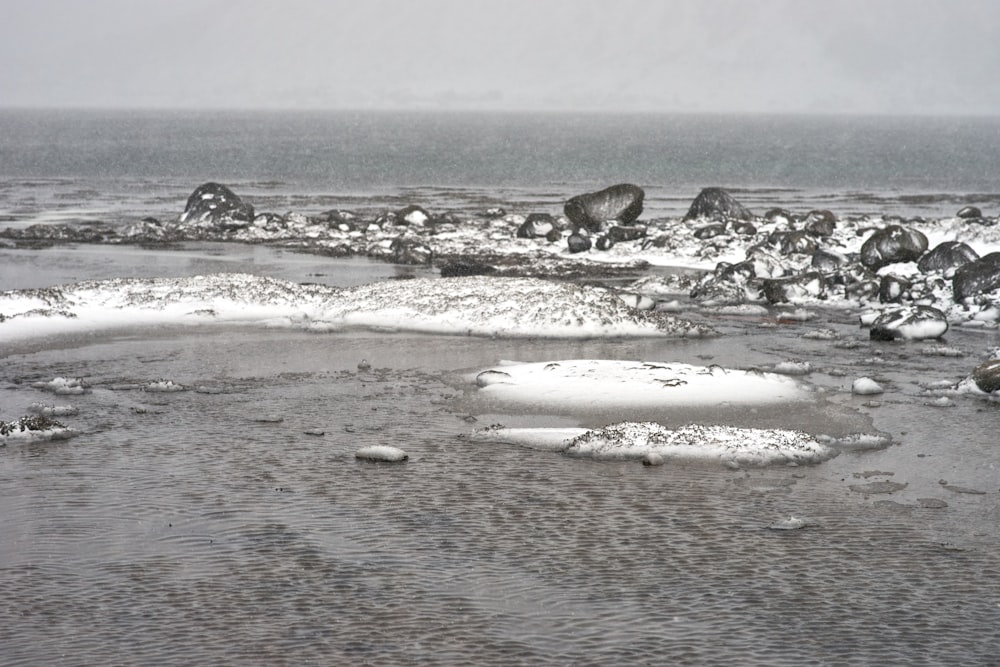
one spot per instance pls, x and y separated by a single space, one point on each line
33 429
381 453
909 323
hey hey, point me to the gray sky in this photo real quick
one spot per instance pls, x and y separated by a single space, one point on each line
864 56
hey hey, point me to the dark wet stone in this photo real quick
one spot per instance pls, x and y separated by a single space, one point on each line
977 277
553 235
779 215
809 285
717 204
591 211
744 228
621 233
728 283
793 243
987 375
536 225
947 256
893 288
827 261
892 245
410 251
412 215
709 231
578 243
909 323
604 243
821 223
217 205
465 267
969 212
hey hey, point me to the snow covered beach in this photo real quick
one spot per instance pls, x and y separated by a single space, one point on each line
253 428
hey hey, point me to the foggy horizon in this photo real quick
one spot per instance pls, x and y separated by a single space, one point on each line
775 57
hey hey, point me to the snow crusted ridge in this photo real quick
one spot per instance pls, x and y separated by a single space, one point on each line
654 443
477 305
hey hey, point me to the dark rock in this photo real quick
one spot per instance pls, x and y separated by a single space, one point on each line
947 256
827 262
604 243
892 245
969 212
412 215
717 204
495 212
621 234
808 285
592 211
218 206
977 277
821 223
465 267
727 284
744 228
578 243
766 262
987 376
709 231
793 243
410 251
892 288
536 225
779 215
553 235
909 323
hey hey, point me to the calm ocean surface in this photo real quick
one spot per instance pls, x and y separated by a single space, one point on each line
231 523
112 165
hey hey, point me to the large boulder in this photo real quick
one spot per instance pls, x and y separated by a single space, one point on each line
620 203
892 245
977 277
947 256
717 204
215 205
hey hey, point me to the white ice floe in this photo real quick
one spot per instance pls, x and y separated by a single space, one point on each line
857 441
163 386
476 305
866 387
53 410
64 386
383 453
655 444
597 383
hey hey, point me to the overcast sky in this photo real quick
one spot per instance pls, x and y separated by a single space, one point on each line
862 56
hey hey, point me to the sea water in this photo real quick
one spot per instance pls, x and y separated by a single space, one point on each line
231 524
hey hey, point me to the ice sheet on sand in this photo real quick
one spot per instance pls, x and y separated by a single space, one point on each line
477 305
651 441
611 383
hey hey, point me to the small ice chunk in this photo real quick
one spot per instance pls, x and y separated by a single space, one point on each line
64 386
866 387
383 453
793 367
163 386
789 523
53 410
